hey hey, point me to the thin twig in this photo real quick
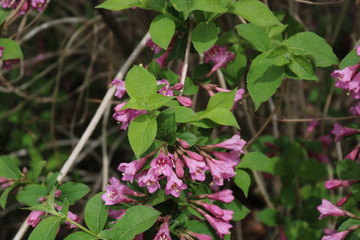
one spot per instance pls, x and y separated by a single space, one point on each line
319 3
92 125
186 60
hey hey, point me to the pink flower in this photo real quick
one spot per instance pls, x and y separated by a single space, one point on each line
358 50
311 126
34 218
130 169
149 43
225 196
337 236
220 170
235 143
73 217
174 185
183 143
354 154
185 101
327 209
282 235
223 214
195 155
166 89
218 55
179 168
346 74
163 233
162 164
117 214
239 94
198 235
116 191
197 169
120 87
335 183
148 179
231 157
126 116
355 110
326 141
340 131
1 51
38 5
5 182
221 227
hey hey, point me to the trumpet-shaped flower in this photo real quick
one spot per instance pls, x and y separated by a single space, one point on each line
174 185
218 55
130 169
327 209
337 236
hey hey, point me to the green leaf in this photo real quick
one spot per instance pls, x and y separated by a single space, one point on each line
35 170
46 229
303 68
189 87
142 132
353 235
213 6
162 29
73 191
8 167
12 49
180 221
223 100
187 137
135 221
350 59
204 36
4 12
308 43
31 193
156 5
243 180
220 116
269 216
156 101
167 126
80 236
255 36
312 170
254 11
182 6
117 5
157 197
140 83
263 78
348 169
235 69
256 161
51 180
96 213
4 196
184 114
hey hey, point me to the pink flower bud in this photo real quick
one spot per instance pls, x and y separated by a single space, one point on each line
73 217
343 200
225 196
354 154
335 183
177 86
120 87
221 227
185 101
34 218
183 143
235 143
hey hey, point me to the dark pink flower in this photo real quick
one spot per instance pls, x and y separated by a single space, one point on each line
117 214
337 236
197 169
343 200
166 90
185 101
162 164
235 143
221 227
126 116
335 183
149 43
174 185
73 217
354 154
282 235
355 110
311 126
327 209
340 131
1 51
225 196
120 87
34 218
346 74
326 140
148 179
218 55
130 169
38 5
163 233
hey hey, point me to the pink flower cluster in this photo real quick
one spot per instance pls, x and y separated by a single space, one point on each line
349 80
38 5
